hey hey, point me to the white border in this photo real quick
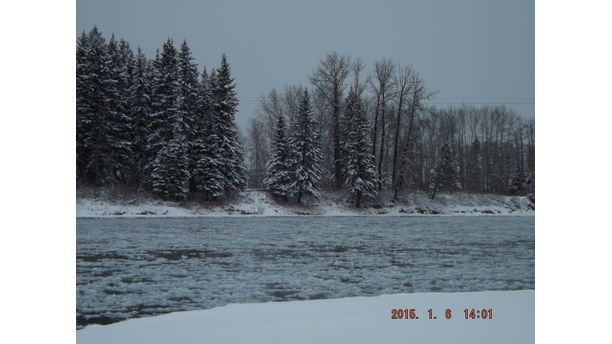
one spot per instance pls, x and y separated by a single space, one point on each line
37 240
37 164
573 150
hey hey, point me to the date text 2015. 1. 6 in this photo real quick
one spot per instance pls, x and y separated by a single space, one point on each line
468 313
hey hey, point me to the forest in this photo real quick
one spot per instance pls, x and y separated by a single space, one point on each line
165 127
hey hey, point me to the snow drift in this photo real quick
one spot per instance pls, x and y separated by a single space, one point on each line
259 203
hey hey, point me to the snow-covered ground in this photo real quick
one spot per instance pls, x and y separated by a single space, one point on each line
258 203
348 320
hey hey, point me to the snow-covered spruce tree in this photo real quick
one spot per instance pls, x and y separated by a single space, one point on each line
306 153
93 110
278 171
83 110
474 175
207 171
445 172
139 104
170 167
358 161
164 78
223 107
519 181
119 120
155 119
189 98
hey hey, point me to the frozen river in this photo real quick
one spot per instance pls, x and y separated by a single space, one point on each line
130 268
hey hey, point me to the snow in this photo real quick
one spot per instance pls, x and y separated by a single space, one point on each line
348 320
259 203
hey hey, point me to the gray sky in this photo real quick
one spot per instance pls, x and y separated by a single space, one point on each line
471 51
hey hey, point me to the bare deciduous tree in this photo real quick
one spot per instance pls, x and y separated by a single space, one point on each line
329 79
382 84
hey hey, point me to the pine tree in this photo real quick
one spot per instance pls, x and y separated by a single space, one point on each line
170 168
224 106
126 56
207 170
93 110
188 103
82 104
359 170
120 129
140 109
171 171
165 96
445 173
474 175
306 155
519 181
187 84
278 171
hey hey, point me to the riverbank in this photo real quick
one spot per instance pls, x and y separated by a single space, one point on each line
347 320
259 203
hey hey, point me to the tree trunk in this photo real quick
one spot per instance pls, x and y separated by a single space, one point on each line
435 189
375 126
336 139
407 147
382 140
397 134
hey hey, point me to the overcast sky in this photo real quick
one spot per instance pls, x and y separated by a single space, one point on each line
471 51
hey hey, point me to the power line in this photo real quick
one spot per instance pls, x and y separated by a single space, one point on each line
436 102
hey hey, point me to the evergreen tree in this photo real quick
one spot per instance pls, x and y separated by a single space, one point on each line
188 86
207 169
474 175
120 130
82 104
188 103
445 173
139 104
94 124
306 155
223 107
156 119
278 170
359 170
519 181
170 168
165 100
126 56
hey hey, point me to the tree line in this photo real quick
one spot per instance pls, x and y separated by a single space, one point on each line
378 133
155 124
163 126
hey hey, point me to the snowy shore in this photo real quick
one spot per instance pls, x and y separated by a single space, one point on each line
348 320
258 203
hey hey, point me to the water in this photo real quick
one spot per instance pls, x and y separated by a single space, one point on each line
130 268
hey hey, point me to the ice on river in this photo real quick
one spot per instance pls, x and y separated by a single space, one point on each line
128 268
